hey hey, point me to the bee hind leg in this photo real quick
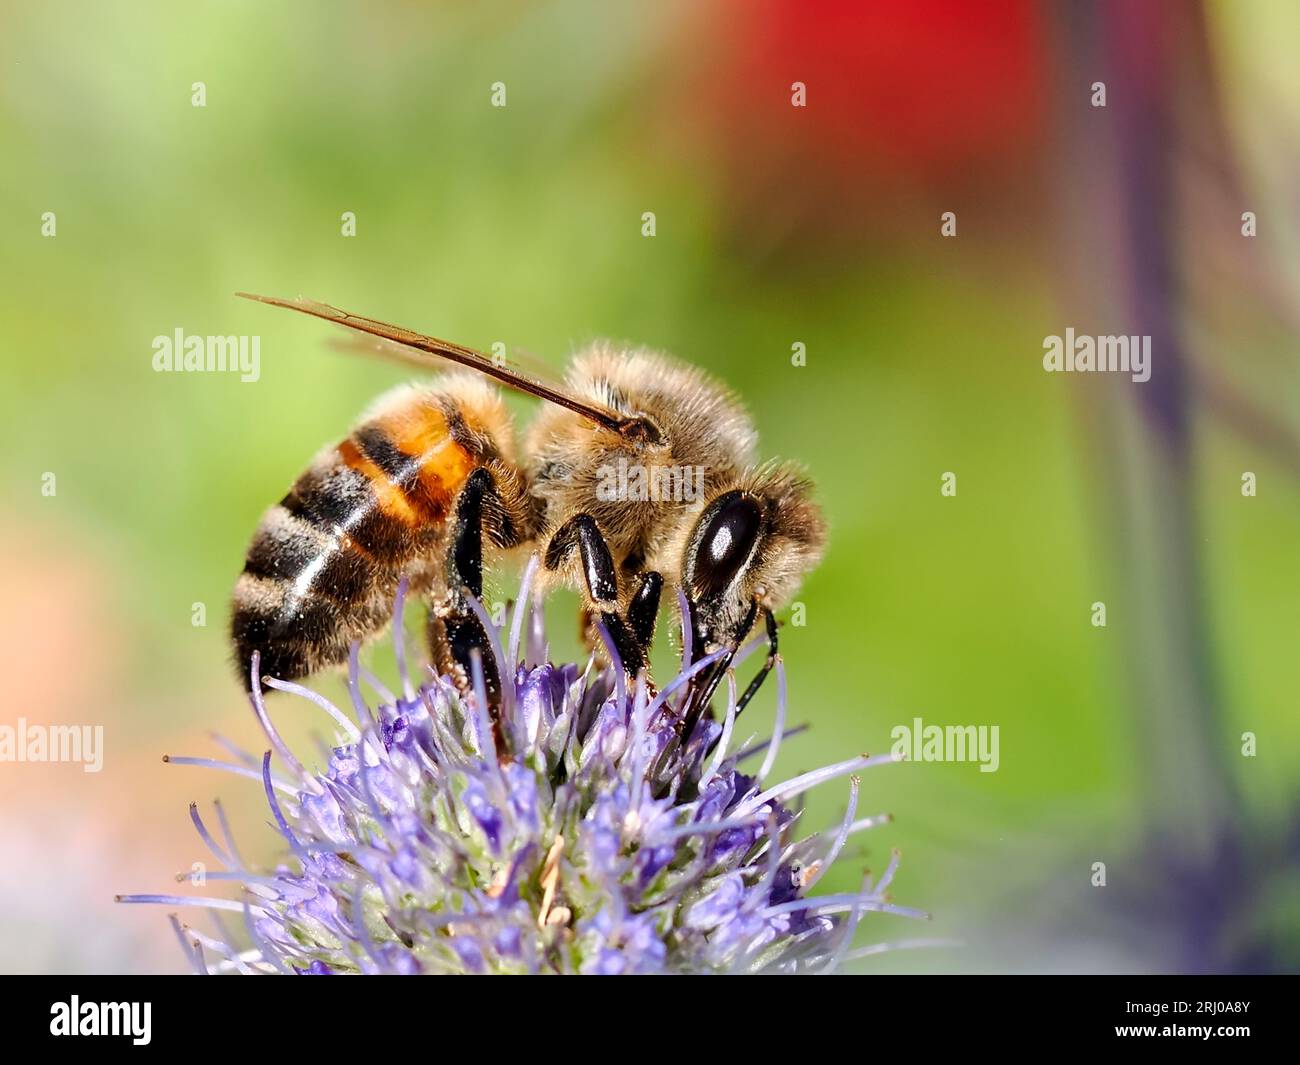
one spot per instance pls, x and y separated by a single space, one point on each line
455 629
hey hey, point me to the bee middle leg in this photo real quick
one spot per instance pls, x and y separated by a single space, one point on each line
630 633
644 608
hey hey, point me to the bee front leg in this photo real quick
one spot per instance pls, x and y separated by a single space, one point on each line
706 683
752 689
581 534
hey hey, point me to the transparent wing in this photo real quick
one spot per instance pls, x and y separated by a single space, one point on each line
408 346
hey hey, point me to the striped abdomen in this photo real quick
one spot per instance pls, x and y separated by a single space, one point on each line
324 565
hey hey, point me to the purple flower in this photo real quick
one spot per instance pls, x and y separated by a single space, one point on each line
578 832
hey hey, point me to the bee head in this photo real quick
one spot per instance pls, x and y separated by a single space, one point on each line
751 543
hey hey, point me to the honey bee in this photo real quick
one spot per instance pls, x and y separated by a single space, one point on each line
430 484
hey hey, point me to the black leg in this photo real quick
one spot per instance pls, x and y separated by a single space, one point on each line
625 643
757 682
463 631
701 693
581 532
631 635
761 676
467 533
644 608
699 638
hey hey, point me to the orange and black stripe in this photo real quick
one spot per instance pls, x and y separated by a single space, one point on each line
325 562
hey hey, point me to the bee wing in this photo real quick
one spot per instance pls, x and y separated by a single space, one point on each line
522 363
426 351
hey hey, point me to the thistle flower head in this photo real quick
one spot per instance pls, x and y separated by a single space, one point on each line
577 830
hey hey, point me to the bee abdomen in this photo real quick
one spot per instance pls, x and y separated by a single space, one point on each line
304 595
294 635
333 497
325 563
284 548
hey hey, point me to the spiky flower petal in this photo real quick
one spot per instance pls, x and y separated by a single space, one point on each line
578 831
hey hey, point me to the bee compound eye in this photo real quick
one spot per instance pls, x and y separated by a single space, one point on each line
723 542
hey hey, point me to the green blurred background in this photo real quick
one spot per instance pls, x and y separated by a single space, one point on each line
775 225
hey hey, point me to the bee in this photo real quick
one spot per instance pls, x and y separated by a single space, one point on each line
429 486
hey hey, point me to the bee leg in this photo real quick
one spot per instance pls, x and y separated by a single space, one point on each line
455 629
644 608
752 688
761 676
581 533
705 684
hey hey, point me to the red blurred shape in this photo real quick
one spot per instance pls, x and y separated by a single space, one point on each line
918 86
